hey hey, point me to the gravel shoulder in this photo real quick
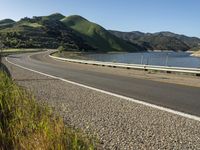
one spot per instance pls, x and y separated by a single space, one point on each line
119 124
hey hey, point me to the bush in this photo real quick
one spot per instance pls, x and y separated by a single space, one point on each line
61 49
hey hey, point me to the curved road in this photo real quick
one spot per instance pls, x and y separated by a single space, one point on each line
177 97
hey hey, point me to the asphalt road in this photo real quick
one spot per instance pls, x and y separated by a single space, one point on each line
177 97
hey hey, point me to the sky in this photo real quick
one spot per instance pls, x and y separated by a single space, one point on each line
179 16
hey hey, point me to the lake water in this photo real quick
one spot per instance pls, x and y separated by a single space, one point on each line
175 59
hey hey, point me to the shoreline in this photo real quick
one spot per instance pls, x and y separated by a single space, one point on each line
196 54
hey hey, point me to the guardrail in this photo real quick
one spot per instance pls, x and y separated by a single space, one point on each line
192 71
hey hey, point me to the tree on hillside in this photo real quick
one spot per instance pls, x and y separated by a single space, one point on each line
61 48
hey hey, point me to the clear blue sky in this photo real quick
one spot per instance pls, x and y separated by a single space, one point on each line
180 16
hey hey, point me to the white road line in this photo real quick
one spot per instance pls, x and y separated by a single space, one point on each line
113 94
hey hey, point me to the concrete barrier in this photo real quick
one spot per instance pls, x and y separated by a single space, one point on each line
191 71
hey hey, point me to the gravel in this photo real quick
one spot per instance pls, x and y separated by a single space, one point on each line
119 124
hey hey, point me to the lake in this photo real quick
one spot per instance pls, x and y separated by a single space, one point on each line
169 58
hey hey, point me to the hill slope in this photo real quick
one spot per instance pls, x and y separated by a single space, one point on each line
190 41
42 33
160 40
6 21
74 33
97 36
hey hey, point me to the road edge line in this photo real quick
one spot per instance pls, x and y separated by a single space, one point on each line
182 114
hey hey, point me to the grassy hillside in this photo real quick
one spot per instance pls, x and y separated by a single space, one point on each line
26 124
73 33
42 32
97 36
160 40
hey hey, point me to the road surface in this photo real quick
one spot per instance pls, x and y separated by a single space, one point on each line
177 97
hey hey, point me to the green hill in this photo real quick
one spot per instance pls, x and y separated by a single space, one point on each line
97 36
74 33
38 32
6 21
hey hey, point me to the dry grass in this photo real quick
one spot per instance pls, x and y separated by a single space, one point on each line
24 124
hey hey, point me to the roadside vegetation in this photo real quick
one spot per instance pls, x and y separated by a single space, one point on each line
26 124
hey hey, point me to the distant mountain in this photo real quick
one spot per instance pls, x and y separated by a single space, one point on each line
159 40
99 37
190 41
